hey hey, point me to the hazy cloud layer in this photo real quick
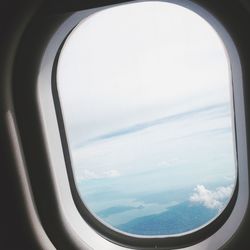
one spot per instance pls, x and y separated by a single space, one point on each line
146 66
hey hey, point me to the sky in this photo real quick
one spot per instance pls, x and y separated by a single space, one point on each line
145 87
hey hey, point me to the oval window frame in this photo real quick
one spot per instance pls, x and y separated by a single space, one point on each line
152 242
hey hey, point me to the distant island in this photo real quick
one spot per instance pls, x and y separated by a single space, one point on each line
176 219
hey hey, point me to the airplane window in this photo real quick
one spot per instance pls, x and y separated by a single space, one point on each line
145 93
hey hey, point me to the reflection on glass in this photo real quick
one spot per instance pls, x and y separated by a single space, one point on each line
145 96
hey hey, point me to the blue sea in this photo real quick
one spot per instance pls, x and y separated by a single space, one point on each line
166 212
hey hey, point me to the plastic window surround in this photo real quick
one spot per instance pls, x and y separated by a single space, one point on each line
184 239
83 235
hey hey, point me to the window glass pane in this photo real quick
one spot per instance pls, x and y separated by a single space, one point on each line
145 92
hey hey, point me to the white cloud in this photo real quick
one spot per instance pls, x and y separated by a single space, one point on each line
111 173
173 162
89 174
211 199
